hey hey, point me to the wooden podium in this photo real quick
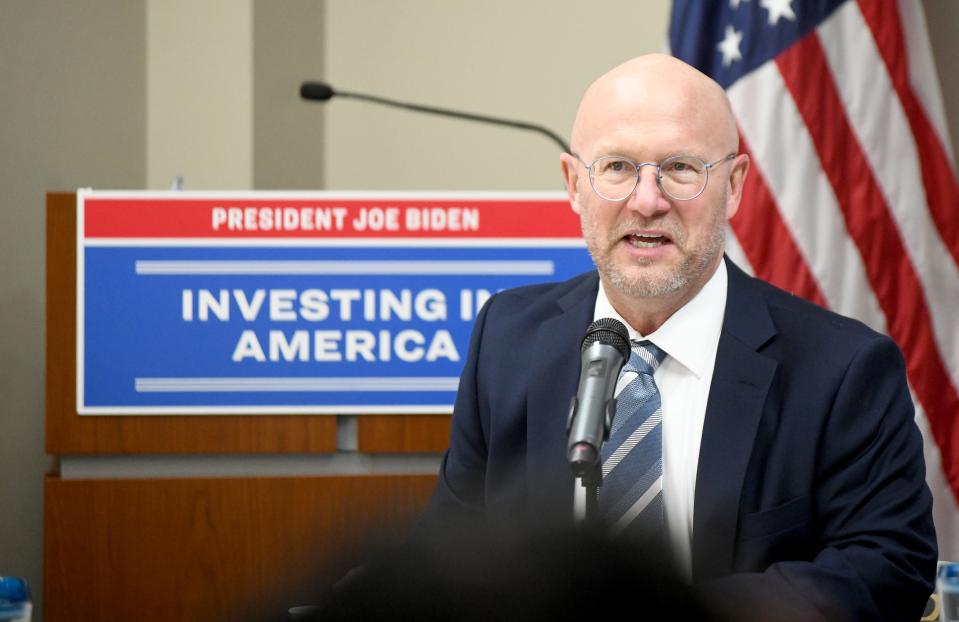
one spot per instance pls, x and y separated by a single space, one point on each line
123 546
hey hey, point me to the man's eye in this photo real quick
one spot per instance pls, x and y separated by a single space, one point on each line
616 167
681 167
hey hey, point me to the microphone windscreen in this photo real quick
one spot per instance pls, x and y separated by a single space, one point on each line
316 91
607 331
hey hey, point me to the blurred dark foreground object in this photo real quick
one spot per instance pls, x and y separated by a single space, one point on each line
471 576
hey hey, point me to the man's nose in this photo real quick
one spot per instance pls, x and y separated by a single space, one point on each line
647 198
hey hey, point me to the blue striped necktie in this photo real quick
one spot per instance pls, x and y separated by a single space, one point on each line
631 497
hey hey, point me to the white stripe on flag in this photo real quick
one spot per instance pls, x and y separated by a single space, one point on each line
805 198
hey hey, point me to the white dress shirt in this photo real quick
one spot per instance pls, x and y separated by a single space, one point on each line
690 338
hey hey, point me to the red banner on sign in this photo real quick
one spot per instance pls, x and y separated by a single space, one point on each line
324 217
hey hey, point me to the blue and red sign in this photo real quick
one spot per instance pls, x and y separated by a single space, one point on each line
276 303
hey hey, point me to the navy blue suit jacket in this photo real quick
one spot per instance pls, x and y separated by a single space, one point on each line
811 483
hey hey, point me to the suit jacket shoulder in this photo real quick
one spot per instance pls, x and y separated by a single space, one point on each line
809 422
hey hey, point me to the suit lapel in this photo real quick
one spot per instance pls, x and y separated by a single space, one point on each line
554 375
741 381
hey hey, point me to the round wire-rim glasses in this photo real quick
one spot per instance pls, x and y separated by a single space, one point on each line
684 175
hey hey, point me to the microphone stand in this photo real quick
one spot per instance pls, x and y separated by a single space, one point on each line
587 469
327 92
587 514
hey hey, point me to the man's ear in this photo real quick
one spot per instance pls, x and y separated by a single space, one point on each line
737 178
571 170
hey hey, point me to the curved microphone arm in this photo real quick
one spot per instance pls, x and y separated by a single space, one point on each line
320 91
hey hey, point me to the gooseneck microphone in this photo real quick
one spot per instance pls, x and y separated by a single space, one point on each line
321 92
604 351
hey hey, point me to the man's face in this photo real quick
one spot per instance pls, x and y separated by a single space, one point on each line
651 245
661 248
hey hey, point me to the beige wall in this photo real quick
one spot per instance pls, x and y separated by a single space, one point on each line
288 44
72 113
199 75
222 105
128 93
526 60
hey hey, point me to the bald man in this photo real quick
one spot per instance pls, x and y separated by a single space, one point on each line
787 478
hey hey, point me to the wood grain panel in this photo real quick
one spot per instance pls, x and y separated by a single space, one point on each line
69 433
403 433
211 549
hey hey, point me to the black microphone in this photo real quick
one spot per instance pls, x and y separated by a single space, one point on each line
321 92
316 91
604 352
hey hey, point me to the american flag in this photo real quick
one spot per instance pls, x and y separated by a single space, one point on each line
852 199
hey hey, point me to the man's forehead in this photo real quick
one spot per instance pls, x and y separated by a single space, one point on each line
657 94
647 151
654 127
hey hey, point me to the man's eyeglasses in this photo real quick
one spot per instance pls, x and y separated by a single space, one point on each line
681 177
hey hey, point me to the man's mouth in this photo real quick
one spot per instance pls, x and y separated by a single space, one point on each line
643 240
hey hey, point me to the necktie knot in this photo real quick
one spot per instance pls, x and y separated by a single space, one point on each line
645 358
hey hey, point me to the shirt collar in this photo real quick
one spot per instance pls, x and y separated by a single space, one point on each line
684 333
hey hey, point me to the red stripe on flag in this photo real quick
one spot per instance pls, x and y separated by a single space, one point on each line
942 188
767 241
891 274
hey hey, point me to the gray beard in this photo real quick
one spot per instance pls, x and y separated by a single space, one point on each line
648 287
676 279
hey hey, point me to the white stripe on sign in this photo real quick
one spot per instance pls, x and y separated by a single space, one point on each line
429 267
292 385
